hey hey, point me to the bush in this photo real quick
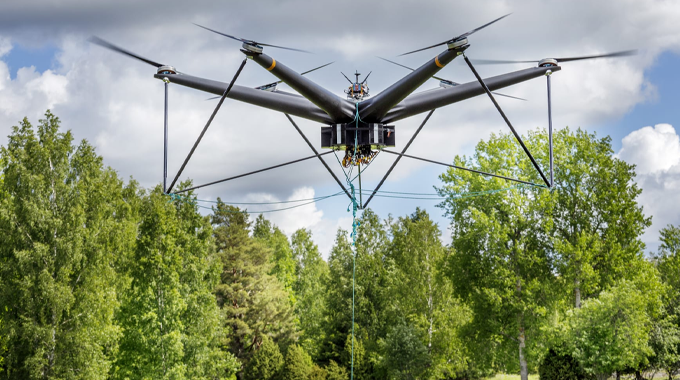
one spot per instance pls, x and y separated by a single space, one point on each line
561 367
335 372
266 363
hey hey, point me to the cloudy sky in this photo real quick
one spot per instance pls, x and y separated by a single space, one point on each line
116 104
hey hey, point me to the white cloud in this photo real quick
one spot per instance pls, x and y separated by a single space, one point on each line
656 153
652 149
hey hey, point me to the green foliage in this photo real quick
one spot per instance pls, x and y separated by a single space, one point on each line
298 364
371 289
266 363
592 216
423 294
557 366
282 256
253 302
361 365
169 316
310 290
64 221
611 332
335 372
665 342
501 265
406 357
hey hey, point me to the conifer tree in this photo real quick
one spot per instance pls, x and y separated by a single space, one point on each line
266 363
253 302
297 365
283 265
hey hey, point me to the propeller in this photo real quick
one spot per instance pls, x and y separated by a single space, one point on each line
250 42
464 35
280 81
624 53
110 46
446 80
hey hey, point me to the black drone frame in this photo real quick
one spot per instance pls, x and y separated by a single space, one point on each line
548 182
395 103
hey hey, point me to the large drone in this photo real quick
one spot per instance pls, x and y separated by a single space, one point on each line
360 126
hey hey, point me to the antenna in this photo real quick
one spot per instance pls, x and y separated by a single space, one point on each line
356 72
343 74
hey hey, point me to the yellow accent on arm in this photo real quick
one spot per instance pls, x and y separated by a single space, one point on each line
436 61
270 68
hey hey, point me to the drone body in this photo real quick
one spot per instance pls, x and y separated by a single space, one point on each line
359 125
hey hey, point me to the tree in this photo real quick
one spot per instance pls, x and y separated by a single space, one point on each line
64 220
593 214
370 294
406 357
310 290
422 294
501 265
335 372
283 264
298 364
170 319
253 302
666 334
611 332
266 363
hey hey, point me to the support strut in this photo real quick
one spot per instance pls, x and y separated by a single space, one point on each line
398 158
507 121
550 131
165 138
318 155
217 108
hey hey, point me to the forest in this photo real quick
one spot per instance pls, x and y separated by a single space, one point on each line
101 278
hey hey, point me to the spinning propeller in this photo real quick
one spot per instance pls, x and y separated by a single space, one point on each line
624 53
460 40
249 44
162 69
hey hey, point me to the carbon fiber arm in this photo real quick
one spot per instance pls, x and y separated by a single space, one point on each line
338 109
292 105
429 100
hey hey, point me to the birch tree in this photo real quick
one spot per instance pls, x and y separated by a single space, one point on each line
64 221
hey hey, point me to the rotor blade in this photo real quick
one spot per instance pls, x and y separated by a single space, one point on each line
365 79
223 34
280 81
406 67
250 42
110 46
459 37
624 53
316 68
498 62
425 48
285 48
343 74
508 96
481 27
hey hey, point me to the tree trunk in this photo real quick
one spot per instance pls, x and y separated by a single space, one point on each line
523 369
577 292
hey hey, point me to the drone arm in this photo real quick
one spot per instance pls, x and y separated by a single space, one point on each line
293 105
338 109
379 106
426 101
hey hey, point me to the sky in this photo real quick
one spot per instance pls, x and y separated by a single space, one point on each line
46 62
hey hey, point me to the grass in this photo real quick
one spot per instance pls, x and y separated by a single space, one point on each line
501 376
